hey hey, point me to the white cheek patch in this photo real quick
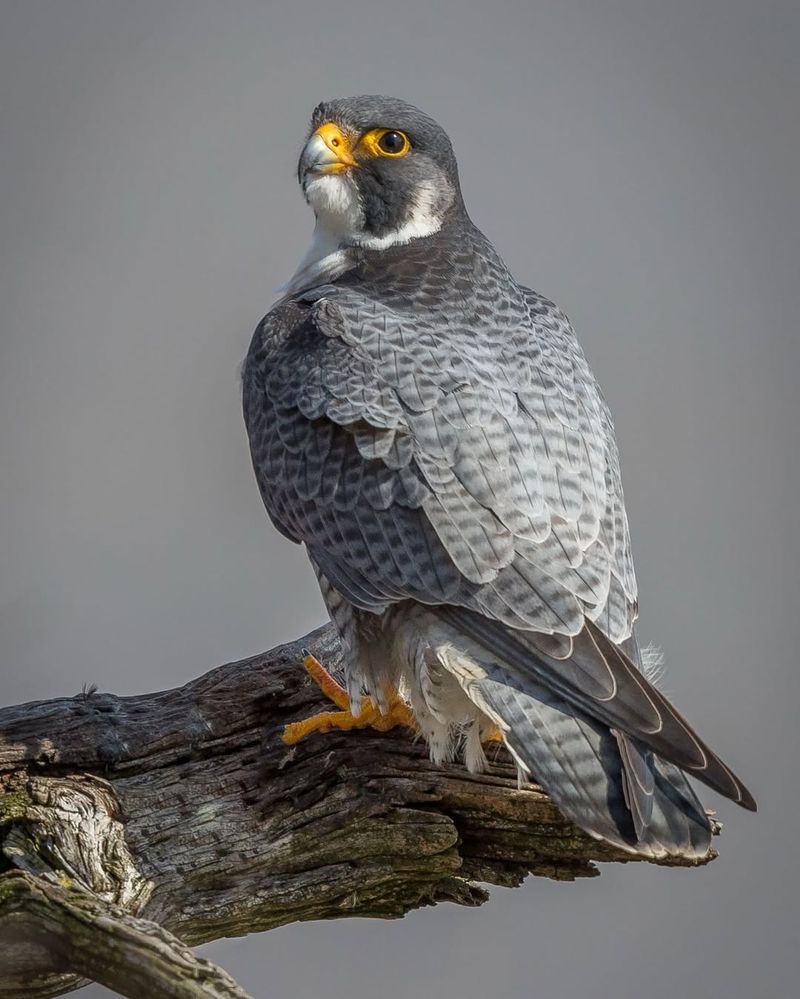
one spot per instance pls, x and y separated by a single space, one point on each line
425 218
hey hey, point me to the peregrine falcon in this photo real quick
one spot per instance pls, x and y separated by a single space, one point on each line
431 431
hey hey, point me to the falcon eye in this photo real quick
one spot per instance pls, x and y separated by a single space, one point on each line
386 142
392 143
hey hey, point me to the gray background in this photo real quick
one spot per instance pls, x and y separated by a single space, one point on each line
636 161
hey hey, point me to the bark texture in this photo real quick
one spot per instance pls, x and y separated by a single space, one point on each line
134 827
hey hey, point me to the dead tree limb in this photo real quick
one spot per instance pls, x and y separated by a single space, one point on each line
125 820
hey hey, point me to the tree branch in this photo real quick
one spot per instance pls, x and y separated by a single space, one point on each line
103 943
124 820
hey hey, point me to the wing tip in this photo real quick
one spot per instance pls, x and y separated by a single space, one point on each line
745 799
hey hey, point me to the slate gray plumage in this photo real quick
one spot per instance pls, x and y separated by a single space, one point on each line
433 434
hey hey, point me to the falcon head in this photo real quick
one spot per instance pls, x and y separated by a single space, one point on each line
377 172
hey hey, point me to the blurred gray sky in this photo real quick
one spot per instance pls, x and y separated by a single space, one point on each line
635 160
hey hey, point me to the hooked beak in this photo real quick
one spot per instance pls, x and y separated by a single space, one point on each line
327 151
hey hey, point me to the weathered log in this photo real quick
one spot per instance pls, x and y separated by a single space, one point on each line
125 820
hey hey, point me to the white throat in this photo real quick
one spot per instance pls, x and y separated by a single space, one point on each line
340 226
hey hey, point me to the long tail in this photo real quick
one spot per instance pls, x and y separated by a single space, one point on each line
586 769
603 742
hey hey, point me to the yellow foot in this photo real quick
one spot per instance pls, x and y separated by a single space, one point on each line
493 735
368 717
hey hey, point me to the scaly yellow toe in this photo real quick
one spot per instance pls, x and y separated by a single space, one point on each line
344 720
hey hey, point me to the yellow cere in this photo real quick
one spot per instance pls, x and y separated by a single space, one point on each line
338 143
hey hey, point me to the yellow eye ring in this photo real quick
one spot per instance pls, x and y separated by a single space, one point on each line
389 142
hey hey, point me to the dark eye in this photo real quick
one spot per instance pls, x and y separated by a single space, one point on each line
393 143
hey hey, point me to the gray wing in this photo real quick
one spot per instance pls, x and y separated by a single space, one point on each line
419 460
476 473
